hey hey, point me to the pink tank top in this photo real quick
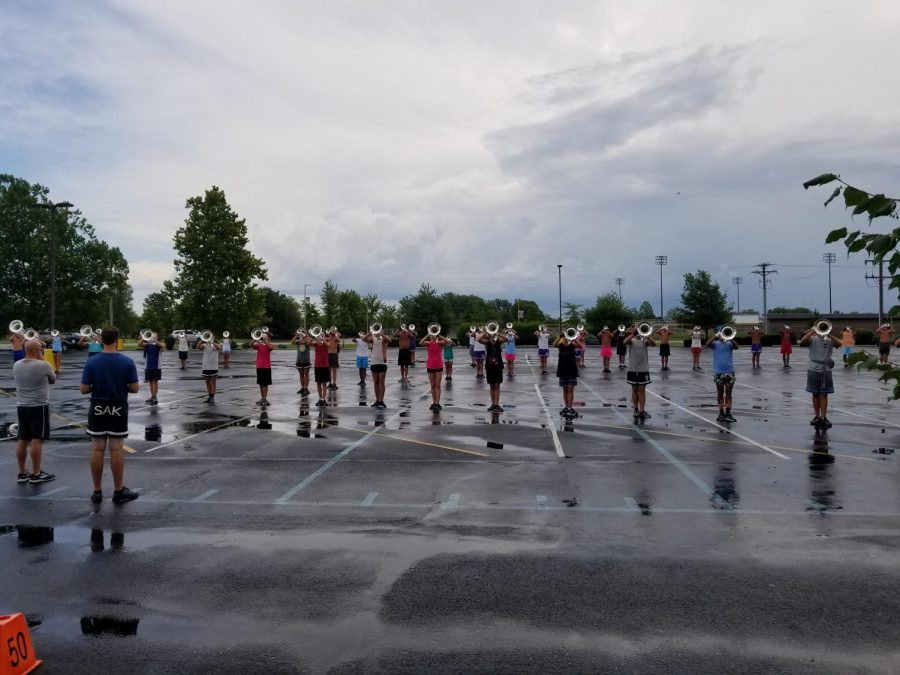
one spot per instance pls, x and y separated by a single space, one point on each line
435 355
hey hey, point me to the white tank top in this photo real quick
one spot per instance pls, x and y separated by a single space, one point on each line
377 357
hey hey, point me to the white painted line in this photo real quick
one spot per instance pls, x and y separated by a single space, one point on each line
541 501
632 504
746 439
453 501
369 500
54 491
205 495
550 423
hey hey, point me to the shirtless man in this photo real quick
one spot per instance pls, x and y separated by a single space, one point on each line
333 341
884 333
606 347
755 345
664 348
403 355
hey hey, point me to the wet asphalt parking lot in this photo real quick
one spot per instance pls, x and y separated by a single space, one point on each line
350 540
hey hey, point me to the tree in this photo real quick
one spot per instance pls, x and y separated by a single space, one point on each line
88 271
788 310
646 311
160 311
331 303
215 274
529 309
572 313
881 247
703 302
608 310
283 315
423 308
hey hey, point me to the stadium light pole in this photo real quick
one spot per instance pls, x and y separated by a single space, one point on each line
661 260
559 270
829 259
305 304
51 206
737 281
619 282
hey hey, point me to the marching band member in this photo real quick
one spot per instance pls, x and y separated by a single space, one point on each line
696 347
17 340
606 338
434 364
183 349
723 373
755 345
448 360
322 368
493 366
580 351
412 345
848 341
303 342
621 347
471 335
334 349
884 333
56 347
786 348
210 366
543 343
567 372
93 343
362 357
226 350
152 348
264 348
638 374
664 348
509 350
819 380
404 358
478 351
379 342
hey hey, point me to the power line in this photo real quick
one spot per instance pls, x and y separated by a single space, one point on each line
763 272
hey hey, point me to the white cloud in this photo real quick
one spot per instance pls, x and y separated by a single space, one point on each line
470 145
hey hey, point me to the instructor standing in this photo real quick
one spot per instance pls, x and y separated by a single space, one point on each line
33 377
109 377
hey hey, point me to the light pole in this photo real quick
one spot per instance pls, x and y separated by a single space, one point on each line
559 270
737 281
661 260
830 259
619 282
305 304
51 206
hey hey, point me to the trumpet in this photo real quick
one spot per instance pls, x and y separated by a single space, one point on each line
411 327
644 330
315 331
822 327
146 335
226 334
375 328
31 334
402 326
542 328
256 334
85 331
434 329
580 327
492 327
727 333
621 327
572 333
54 333
472 328
509 325
206 336
16 326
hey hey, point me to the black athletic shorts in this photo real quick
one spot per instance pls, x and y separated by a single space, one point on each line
664 349
183 356
214 373
403 357
884 348
493 374
263 377
333 361
34 422
152 374
322 374
379 367
108 418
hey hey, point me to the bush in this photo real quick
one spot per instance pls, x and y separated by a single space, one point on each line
865 337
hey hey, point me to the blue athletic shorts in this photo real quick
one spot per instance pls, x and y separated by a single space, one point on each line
362 361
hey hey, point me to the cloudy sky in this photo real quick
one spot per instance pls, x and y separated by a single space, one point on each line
472 145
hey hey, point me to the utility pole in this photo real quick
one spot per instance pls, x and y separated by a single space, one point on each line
879 278
619 282
50 206
305 304
829 258
661 260
737 281
766 284
559 269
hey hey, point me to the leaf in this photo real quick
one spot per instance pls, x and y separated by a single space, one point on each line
882 243
835 235
837 192
851 238
880 205
857 245
894 311
853 196
862 206
819 180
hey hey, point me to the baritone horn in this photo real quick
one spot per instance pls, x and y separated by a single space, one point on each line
822 327
54 333
580 327
375 328
16 326
256 334
315 331
434 329
85 331
206 336
509 325
572 333
472 329
542 328
31 334
146 335
644 330
226 334
492 327
727 333
621 327
411 327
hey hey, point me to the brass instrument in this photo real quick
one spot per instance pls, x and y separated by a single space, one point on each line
206 336
411 327
315 331
146 335
265 329
580 327
822 327
434 329
31 334
621 327
16 326
85 331
472 329
644 330
54 333
542 328
571 334
375 328
492 328
509 325
256 334
226 334
727 333
12 430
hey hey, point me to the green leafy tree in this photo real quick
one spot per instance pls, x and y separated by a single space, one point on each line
608 310
160 311
530 309
788 310
330 296
373 307
646 311
215 274
881 247
352 312
283 314
703 303
88 271
423 308
572 313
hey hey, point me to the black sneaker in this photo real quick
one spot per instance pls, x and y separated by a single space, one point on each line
564 412
721 416
259 402
124 495
149 401
382 404
23 477
645 415
264 402
42 477
362 383
636 413
212 399
824 423
155 401
299 391
729 417
438 406
814 422
431 407
321 402
96 496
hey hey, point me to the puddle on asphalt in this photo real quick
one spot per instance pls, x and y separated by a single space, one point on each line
210 424
884 451
109 626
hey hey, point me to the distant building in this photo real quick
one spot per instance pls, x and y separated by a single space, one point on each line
802 321
746 320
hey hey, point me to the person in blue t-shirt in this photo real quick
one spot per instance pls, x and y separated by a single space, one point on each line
152 372
56 346
109 377
723 373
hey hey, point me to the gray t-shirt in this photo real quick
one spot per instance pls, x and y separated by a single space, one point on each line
820 350
210 357
33 378
637 357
